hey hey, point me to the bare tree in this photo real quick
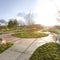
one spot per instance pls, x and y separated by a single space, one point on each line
58 17
21 23
29 19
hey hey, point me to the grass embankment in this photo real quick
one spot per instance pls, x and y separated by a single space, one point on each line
4 47
29 34
57 31
0 33
48 51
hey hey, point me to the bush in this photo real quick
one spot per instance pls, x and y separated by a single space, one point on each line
4 47
48 51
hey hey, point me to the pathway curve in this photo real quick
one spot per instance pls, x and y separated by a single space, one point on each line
23 48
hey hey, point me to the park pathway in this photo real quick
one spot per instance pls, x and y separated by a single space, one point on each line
23 47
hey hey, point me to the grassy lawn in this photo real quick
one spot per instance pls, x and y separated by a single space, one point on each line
55 30
1 32
29 34
4 47
7 30
25 33
48 51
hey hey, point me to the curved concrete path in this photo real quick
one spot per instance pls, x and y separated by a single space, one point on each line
23 48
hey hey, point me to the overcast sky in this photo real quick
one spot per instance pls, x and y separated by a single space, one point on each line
45 9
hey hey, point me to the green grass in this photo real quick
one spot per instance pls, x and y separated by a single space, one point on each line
29 34
48 51
1 32
4 47
7 30
56 30
11 30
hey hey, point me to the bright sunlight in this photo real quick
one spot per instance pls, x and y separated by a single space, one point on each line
46 12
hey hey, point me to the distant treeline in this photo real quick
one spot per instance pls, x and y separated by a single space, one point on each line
27 27
2 27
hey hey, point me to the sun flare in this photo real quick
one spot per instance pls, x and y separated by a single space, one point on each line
46 13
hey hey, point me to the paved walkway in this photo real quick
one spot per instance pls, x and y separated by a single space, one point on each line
23 48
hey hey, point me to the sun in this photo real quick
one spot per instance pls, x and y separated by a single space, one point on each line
46 13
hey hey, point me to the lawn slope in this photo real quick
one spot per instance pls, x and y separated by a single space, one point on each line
48 51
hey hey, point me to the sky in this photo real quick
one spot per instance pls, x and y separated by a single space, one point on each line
45 10
9 8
